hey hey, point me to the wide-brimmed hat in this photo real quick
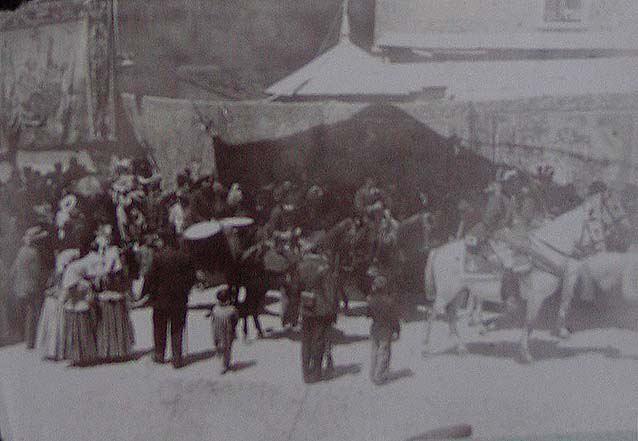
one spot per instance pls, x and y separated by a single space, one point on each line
376 207
33 234
491 188
235 195
379 283
104 230
312 268
314 192
202 230
68 202
236 222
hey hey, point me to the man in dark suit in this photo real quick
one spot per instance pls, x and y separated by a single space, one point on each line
166 286
320 304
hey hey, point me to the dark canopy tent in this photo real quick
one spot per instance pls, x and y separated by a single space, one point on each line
381 141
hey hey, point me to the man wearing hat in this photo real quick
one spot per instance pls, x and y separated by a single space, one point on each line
225 318
28 277
383 310
497 211
320 304
167 286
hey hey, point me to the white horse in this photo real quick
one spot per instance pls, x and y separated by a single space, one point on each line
605 270
553 245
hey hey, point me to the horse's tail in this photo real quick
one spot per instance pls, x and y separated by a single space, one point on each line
430 286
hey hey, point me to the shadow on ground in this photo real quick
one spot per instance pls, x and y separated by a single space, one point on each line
137 355
338 337
241 365
542 350
394 376
343 370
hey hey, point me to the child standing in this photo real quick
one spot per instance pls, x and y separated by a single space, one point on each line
383 310
225 317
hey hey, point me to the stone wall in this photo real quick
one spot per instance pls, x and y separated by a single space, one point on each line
584 138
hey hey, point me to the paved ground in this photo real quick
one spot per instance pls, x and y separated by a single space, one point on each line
589 384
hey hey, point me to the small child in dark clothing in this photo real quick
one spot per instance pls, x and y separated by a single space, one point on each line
225 318
383 310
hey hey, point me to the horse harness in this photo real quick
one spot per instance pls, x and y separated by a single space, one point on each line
604 214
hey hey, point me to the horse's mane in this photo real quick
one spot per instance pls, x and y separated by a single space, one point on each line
564 232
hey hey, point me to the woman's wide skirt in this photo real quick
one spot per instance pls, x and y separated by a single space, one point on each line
115 335
80 342
51 337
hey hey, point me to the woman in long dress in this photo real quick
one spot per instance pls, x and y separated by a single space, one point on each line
80 342
50 336
115 335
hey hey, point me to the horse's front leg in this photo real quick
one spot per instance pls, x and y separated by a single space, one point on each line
453 320
431 315
526 355
572 273
533 307
477 312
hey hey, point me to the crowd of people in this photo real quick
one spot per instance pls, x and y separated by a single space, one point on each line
93 247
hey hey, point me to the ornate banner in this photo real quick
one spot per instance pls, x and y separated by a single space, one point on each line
56 73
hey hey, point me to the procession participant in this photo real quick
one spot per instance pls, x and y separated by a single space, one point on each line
255 280
225 317
141 264
177 215
235 201
219 200
51 336
288 245
498 208
115 335
232 266
28 278
80 341
362 248
169 300
153 209
362 198
343 262
383 310
203 201
313 208
319 310
67 206
469 219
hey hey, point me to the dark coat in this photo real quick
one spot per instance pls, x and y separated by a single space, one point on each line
384 313
325 301
27 273
170 279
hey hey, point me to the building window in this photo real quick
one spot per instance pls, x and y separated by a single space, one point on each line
565 13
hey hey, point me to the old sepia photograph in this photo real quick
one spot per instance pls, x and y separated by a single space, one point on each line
318 220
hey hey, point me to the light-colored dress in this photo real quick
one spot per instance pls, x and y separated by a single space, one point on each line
50 336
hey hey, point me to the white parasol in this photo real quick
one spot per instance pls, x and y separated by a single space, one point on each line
202 230
236 222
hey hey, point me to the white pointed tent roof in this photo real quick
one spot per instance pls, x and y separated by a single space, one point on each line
347 70
342 70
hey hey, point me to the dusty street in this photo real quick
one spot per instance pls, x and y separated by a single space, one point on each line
588 384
